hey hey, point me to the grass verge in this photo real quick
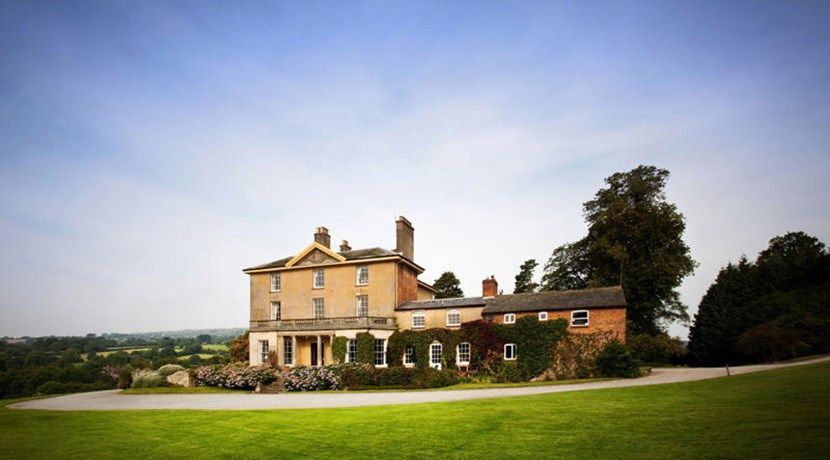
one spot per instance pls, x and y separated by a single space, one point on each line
781 413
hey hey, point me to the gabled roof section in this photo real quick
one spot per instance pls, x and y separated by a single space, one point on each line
537 301
351 255
309 249
426 286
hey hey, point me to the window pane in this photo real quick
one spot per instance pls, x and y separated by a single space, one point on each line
435 351
409 354
351 351
380 352
453 318
362 275
463 352
418 320
363 305
319 308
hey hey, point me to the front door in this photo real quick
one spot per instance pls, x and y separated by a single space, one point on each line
314 354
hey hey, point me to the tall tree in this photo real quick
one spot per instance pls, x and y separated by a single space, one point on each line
567 267
524 280
777 300
635 239
447 285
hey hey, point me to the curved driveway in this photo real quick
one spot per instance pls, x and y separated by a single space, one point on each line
114 400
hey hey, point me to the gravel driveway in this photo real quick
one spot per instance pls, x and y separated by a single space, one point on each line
114 400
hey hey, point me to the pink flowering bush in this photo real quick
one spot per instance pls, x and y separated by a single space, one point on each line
310 379
235 376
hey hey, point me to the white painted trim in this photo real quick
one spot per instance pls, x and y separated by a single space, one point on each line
515 351
448 318
587 318
512 317
543 313
421 314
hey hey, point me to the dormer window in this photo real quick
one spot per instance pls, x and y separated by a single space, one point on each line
276 282
362 275
319 278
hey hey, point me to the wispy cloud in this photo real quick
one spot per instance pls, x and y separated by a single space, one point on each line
139 175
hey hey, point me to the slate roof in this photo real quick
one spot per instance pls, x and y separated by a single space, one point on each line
354 254
538 301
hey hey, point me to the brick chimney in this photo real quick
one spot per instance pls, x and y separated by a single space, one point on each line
344 246
489 287
405 234
321 235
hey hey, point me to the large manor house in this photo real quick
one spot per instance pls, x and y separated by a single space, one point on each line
300 303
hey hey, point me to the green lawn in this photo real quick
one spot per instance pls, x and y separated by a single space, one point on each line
767 415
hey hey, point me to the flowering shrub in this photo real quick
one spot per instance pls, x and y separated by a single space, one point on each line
235 376
310 379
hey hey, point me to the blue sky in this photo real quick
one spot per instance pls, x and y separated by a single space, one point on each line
150 150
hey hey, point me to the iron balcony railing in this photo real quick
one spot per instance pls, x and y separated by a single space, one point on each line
317 324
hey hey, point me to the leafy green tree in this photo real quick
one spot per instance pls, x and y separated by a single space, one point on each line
524 280
568 267
773 308
635 239
205 338
447 286
238 348
192 347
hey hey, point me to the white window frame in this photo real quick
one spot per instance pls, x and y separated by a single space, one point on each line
276 310
454 312
322 305
543 316
361 269
587 318
432 362
511 346
318 278
422 316
409 360
264 349
509 318
458 353
359 307
276 282
288 351
351 350
380 354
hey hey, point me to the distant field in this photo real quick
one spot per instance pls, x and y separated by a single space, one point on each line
781 413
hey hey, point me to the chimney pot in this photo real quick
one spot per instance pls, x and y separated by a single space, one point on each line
489 287
344 246
405 238
321 235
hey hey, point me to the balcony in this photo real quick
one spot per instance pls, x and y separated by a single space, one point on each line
327 324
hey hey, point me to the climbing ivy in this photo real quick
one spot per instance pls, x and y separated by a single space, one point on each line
535 341
338 349
365 348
